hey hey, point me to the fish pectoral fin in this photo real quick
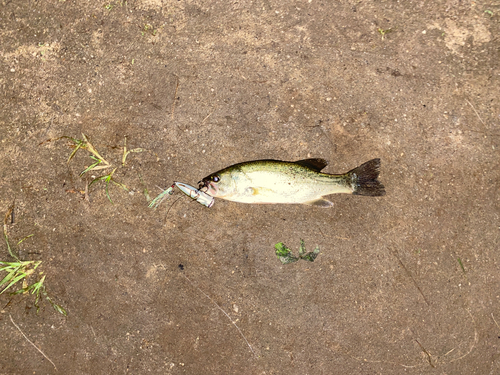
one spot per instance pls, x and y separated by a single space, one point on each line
256 191
320 203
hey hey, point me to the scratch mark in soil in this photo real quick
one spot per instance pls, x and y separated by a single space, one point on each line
345 351
210 114
476 112
395 252
476 340
495 321
220 308
175 96
429 357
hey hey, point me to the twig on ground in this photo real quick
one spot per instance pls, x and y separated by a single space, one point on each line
36 347
476 112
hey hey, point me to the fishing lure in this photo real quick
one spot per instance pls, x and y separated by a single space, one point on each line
198 195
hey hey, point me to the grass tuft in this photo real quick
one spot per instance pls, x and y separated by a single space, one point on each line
99 163
20 271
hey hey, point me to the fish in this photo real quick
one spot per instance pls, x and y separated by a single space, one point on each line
299 182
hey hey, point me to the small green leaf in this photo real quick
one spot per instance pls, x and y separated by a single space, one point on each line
312 255
285 254
302 248
288 259
282 250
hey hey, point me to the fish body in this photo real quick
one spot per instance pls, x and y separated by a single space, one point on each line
274 181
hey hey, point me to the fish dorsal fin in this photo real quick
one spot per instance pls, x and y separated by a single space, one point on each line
315 164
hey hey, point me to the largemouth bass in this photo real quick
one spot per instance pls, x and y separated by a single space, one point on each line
274 181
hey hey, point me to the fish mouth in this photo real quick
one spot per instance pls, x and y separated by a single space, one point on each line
207 186
203 184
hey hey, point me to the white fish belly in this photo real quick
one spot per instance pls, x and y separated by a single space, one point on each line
269 187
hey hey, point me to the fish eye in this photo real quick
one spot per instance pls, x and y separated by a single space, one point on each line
215 178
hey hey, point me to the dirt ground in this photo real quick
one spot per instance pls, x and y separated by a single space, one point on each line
407 283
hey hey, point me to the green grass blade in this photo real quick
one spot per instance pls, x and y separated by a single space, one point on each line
16 279
461 265
36 286
90 167
78 145
107 191
56 307
92 149
25 238
59 309
8 245
9 265
97 179
7 278
20 291
124 187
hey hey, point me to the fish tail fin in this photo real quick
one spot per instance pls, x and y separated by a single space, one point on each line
364 181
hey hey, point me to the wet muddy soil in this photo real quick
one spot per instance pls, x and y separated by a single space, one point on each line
405 283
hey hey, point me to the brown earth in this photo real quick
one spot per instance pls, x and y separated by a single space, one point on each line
406 283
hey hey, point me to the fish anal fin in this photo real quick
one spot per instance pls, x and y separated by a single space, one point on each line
320 203
314 164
